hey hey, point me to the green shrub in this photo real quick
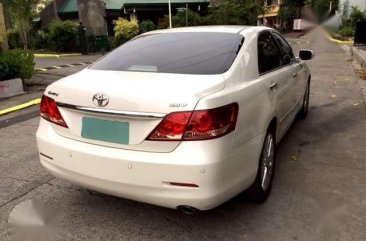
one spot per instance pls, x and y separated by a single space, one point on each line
192 18
41 40
347 32
16 64
356 15
124 30
146 26
14 39
165 24
179 20
63 36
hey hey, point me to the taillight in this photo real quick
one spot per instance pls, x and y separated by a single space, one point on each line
196 125
50 111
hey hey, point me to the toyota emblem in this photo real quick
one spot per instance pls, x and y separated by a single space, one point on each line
100 100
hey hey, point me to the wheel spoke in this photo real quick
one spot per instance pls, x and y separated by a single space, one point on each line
264 178
269 148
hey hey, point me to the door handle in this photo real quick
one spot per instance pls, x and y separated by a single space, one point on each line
272 85
295 75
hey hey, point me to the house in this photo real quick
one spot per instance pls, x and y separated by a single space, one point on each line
98 15
270 16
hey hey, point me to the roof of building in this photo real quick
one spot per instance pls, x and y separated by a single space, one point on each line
71 6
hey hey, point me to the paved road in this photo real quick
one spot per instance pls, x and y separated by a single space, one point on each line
319 193
51 61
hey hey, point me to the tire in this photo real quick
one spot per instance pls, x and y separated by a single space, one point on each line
305 104
261 188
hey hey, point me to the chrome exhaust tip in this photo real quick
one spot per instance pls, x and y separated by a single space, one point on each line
187 209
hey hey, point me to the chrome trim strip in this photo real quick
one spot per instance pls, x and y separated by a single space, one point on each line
127 114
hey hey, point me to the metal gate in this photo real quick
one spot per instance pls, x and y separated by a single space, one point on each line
360 33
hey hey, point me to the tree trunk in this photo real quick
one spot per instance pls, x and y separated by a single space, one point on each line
24 32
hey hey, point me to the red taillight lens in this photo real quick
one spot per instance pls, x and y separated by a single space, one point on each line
50 111
210 124
197 125
172 127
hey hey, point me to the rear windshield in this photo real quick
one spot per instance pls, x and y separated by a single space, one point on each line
181 53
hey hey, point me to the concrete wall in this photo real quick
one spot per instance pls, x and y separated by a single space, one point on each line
9 88
361 4
3 35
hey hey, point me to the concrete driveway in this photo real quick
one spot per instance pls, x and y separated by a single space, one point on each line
319 191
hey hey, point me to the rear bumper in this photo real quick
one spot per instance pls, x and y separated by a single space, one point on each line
220 171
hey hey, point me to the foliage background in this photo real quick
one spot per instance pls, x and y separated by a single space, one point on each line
16 64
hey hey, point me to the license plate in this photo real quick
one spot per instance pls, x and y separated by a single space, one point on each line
105 130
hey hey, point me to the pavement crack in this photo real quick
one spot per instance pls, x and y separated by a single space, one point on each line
22 195
64 187
22 180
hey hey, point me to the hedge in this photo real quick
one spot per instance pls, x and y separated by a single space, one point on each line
63 36
16 64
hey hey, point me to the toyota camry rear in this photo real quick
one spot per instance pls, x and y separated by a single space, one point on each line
166 119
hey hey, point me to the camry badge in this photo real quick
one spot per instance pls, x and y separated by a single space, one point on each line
100 100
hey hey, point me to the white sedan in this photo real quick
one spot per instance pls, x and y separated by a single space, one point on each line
184 118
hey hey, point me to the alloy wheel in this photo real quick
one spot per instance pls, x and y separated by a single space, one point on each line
267 162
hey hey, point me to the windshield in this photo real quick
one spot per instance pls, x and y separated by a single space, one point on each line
181 53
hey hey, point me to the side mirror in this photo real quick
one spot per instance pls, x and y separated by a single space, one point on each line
306 54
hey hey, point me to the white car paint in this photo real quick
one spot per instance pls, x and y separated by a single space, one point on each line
142 170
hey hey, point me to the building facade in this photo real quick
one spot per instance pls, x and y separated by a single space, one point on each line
270 16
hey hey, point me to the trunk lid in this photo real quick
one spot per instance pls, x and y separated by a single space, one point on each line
137 102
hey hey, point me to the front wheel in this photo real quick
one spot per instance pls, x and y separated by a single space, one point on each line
305 105
260 189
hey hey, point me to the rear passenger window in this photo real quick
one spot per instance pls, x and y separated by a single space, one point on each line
289 56
269 55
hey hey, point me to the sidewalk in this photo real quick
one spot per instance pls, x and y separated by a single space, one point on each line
38 83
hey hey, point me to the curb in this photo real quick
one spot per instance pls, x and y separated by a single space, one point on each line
21 106
56 55
349 42
358 56
62 66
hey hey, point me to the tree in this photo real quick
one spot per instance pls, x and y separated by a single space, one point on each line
356 15
22 12
237 12
290 10
345 12
189 18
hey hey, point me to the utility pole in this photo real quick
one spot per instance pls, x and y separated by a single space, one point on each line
170 14
186 15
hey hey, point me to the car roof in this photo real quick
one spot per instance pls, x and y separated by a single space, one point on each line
219 29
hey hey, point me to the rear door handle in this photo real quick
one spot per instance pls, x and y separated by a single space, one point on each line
272 85
295 75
